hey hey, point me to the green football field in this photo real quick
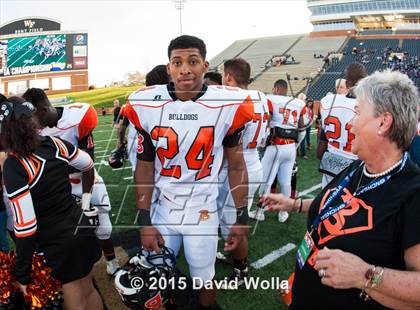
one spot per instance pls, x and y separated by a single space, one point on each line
272 245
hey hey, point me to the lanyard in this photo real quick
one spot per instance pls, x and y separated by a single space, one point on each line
326 213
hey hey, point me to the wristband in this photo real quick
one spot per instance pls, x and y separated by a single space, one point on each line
143 218
301 205
242 215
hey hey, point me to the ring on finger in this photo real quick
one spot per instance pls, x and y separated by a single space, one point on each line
321 273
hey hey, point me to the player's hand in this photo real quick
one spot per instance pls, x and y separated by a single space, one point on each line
151 239
277 202
237 234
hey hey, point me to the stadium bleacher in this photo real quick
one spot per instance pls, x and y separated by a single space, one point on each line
368 51
307 65
232 51
258 52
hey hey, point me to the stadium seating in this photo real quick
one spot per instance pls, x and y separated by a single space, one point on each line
256 51
232 51
307 66
325 83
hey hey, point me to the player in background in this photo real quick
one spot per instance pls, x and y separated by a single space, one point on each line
182 138
279 157
237 73
341 87
213 78
157 76
75 123
337 111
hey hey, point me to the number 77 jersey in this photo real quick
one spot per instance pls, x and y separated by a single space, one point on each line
185 139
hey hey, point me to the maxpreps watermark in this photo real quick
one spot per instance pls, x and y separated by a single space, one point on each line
180 283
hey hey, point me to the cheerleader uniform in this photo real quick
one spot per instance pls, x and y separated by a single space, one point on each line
45 213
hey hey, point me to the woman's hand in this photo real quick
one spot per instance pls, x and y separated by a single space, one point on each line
277 202
341 270
22 288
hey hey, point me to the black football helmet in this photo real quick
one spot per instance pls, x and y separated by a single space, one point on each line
144 269
117 157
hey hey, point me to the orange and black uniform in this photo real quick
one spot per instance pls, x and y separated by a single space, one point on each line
45 212
377 226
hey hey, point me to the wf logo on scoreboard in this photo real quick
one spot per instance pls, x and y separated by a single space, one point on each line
29 23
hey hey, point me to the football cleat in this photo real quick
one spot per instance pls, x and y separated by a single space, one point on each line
138 282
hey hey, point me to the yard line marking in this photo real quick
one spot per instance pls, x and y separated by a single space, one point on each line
271 257
98 141
128 178
109 130
103 162
107 147
102 156
310 190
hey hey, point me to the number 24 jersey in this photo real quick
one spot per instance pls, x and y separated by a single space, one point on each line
185 139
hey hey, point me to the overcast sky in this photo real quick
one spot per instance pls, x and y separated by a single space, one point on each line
134 35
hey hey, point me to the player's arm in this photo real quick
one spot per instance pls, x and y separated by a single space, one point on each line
81 161
322 145
122 127
86 144
238 182
144 179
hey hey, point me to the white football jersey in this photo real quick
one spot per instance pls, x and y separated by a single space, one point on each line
256 132
336 117
77 121
188 136
286 111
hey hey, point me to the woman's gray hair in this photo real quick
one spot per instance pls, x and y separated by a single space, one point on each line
392 92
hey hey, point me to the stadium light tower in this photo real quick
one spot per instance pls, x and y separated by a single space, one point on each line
179 5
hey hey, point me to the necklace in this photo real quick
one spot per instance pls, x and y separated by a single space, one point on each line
380 174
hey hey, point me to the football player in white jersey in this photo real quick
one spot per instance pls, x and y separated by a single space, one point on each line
184 129
337 112
157 76
236 73
279 156
75 124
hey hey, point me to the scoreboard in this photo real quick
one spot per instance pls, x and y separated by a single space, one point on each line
55 51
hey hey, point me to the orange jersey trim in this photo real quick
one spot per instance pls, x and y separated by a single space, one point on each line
132 116
88 123
270 106
243 115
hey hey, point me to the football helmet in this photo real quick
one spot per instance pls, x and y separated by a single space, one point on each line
133 282
117 157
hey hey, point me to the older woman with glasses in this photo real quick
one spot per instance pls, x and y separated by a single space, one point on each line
361 249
